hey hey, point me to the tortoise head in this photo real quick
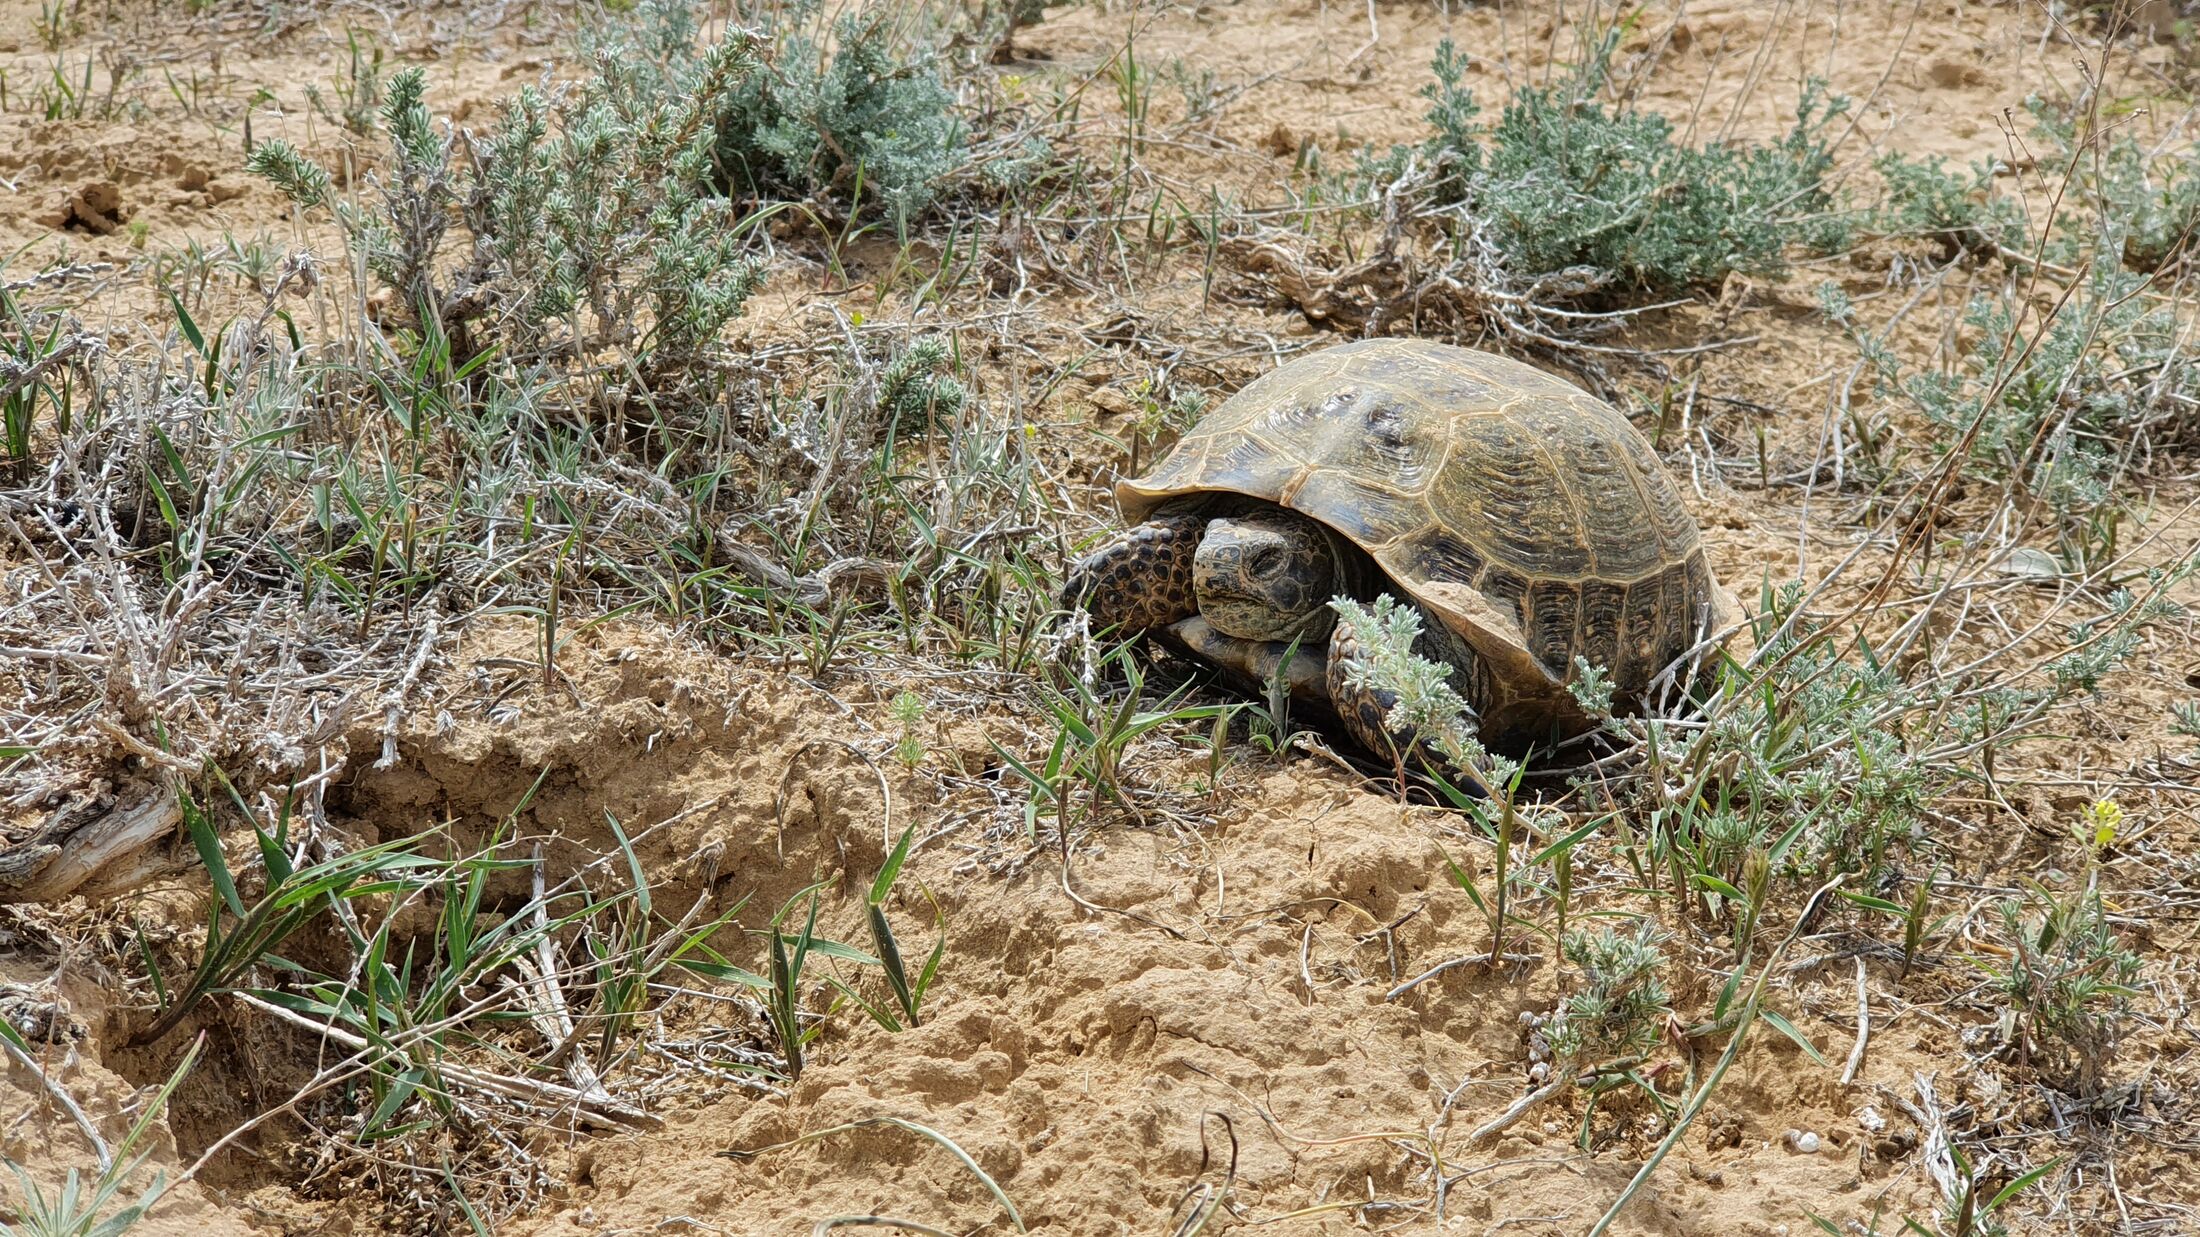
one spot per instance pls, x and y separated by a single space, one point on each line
1266 575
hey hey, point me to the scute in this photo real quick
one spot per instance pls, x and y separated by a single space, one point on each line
1554 612
1452 467
1503 488
1370 513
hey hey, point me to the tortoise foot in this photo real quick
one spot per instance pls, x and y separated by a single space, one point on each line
1140 579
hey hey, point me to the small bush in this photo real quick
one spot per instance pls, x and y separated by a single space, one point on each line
852 120
1621 1008
2068 982
1964 214
2051 407
1565 180
918 388
2072 367
1827 753
1428 707
618 211
1821 742
2139 204
2122 202
591 219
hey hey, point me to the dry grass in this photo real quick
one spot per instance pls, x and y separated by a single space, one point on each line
245 547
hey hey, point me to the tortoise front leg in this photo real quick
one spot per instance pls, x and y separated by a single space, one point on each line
1142 578
1364 709
1250 666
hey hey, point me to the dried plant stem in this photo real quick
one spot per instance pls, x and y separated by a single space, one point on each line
1482 959
1863 1027
1520 1108
68 854
600 1112
69 1105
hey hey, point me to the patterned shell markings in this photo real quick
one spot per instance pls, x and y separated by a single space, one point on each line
1526 512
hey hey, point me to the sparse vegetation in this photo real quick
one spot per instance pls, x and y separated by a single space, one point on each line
564 617
847 118
85 1208
1428 712
2058 390
2068 976
1620 1011
1567 185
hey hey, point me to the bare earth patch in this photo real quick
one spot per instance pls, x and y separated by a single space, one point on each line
1206 1002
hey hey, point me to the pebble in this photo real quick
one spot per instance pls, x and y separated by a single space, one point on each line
1804 1141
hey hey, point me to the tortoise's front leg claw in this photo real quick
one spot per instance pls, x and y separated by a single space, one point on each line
1364 711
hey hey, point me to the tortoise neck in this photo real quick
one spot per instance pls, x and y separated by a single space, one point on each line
1357 575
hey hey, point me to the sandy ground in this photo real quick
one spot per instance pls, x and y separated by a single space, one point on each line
1099 1066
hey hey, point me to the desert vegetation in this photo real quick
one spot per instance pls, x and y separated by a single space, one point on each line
534 696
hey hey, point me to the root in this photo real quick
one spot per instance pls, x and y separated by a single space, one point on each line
84 848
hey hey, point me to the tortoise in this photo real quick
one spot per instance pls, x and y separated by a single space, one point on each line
1527 520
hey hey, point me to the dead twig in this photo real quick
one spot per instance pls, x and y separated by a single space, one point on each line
1863 1027
602 1112
84 849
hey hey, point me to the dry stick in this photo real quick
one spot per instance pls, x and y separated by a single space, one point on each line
1520 1108
1937 1150
786 781
553 1016
1062 827
1204 1196
1374 36
1742 1025
828 1225
602 1113
1482 959
1863 1027
1754 75
1856 116
15 377
83 1123
394 711
64 856
63 656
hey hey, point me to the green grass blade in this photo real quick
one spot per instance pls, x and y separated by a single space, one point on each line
884 883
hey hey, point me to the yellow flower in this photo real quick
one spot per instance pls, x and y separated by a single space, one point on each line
2102 820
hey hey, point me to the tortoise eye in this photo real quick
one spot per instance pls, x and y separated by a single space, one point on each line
1265 560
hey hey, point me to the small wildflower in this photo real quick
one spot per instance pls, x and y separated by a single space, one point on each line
2103 819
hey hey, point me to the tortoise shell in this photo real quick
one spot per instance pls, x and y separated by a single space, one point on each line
1525 514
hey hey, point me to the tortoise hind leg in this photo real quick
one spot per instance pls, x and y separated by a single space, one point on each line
1140 579
1364 708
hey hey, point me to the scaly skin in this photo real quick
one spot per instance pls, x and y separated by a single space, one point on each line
1142 579
1266 574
